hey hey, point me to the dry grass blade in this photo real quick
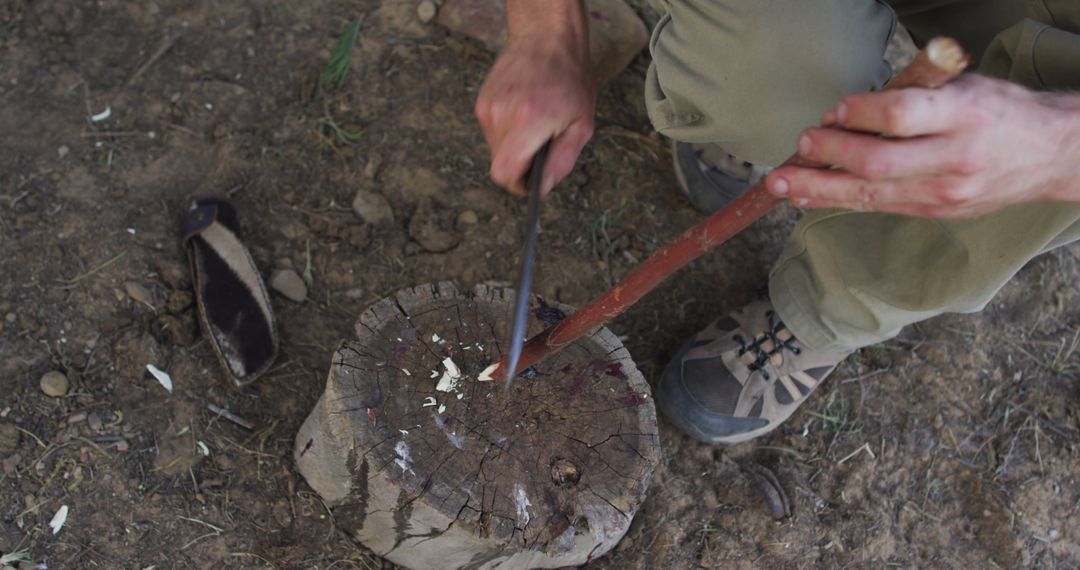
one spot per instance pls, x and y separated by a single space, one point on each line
95 270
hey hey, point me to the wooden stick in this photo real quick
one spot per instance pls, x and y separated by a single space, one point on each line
940 61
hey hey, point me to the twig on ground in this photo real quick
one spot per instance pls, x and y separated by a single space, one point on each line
165 46
231 417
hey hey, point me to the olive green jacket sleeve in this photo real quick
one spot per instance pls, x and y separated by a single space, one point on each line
1042 51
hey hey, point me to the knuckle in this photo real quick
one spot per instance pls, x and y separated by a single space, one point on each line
898 117
588 126
528 109
864 194
967 163
876 165
499 175
975 112
481 110
955 194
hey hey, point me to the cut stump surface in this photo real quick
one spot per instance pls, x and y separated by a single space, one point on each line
432 468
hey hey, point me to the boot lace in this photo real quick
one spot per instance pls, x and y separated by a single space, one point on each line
757 345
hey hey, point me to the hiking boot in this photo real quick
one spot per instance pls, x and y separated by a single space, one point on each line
710 177
741 377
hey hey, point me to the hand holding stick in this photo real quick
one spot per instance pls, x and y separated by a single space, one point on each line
940 61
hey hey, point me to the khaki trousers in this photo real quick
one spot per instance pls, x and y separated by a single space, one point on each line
751 74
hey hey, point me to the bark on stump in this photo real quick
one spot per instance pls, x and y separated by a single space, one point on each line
431 468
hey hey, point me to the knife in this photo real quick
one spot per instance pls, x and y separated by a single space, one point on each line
519 320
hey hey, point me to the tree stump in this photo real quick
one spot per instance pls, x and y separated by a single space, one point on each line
432 468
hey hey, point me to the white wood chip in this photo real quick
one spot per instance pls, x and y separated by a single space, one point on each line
102 115
59 519
449 380
485 376
162 377
203 448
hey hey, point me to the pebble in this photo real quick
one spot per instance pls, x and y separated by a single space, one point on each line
10 317
468 218
354 293
54 383
63 151
178 301
426 11
372 208
9 438
429 227
288 283
9 465
139 293
372 167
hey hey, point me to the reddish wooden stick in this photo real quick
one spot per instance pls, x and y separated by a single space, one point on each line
940 61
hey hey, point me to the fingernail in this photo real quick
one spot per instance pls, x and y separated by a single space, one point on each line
780 186
841 113
805 145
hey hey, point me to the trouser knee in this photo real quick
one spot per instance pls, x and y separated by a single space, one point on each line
751 74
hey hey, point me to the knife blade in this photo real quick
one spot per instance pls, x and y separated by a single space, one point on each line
519 319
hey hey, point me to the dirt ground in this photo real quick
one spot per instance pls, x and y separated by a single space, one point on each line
955 445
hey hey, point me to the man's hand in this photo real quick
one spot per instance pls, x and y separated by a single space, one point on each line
541 88
969 148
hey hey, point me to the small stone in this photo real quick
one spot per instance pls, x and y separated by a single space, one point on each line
374 161
9 438
139 293
430 227
10 317
284 263
182 329
178 301
354 293
63 151
174 273
426 11
372 208
288 283
54 383
9 465
281 513
468 218
94 421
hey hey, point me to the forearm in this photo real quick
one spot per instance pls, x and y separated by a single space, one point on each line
1064 120
562 21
